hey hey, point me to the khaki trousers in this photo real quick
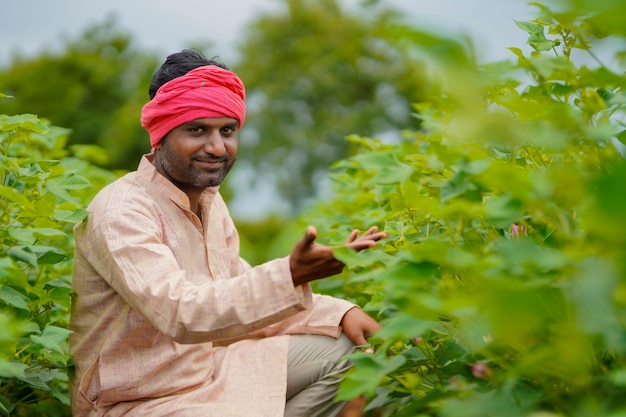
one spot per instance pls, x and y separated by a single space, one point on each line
314 370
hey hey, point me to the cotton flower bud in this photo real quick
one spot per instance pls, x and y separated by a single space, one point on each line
480 370
517 231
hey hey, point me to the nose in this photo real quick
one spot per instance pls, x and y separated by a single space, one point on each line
214 144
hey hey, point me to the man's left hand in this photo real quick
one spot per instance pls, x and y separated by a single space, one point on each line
358 326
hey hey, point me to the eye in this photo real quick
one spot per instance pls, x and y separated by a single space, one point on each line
196 129
228 130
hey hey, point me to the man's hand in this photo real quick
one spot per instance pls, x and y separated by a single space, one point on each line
358 326
310 261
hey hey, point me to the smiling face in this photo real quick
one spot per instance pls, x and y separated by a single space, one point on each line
198 154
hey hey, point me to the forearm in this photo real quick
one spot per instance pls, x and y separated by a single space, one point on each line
323 318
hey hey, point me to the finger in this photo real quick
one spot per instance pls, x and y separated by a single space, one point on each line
375 236
307 240
353 236
361 244
379 236
309 236
371 231
360 339
364 243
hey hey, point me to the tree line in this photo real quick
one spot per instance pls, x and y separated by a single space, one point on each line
314 74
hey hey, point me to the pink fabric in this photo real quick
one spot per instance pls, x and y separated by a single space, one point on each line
208 91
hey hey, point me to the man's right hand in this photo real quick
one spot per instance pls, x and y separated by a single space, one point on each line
310 261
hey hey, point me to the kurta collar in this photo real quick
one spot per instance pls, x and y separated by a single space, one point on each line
162 186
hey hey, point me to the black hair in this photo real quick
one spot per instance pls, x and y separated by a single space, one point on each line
178 64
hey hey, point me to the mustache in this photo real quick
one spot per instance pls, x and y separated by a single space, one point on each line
211 158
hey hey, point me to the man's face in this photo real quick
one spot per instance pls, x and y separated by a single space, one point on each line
199 153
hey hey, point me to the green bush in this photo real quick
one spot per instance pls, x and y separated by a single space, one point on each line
502 284
43 192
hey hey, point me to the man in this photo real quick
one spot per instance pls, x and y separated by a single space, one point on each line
168 320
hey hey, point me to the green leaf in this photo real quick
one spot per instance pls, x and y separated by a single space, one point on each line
60 186
28 122
9 331
70 181
405 279
73 217
29 327
517 52
11 273
520 253
385 166
459 184
354 259
24 254
369 371
12 195
14 298
37 376
552 68
621 136
418 403
407 199
12 369
529 27
6 405
503 211
51 139
60 297
618 377
405 327
562 89
61 282
432 250
38 254
540 43
591 292
51 258
610 198
460 259
479 404
30 235
43 208
53 338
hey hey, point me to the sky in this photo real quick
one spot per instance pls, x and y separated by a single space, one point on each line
166 26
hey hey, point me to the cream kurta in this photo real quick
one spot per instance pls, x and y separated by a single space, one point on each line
157 290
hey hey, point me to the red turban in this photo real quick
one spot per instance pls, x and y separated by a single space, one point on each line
207 91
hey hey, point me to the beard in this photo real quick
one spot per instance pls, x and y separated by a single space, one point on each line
186 174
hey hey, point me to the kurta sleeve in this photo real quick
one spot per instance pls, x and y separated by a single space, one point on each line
129 250
322 317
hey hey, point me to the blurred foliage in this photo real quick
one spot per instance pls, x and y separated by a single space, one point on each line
257 238
314 74
43 192
96 86
502 284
